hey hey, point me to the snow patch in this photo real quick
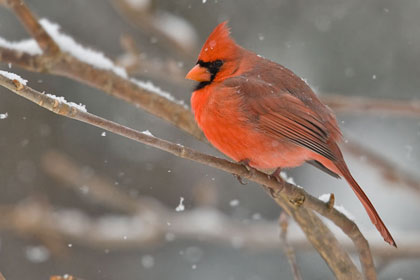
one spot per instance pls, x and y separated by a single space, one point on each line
289 180
181 206
149 86
13 76
85 54
345 212
28 46
61 99
139 4
234 203
325 197
37 254
3 116
176 28
148 133
340 208
172 24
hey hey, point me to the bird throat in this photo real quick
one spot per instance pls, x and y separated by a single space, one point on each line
213 67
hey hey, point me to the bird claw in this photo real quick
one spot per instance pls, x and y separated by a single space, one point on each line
276 175
273 193
240 180
245 163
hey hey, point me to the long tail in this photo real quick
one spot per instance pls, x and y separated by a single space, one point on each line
373 215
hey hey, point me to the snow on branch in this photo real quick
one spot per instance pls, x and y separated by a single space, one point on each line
13 76
85 54
288 196
28 46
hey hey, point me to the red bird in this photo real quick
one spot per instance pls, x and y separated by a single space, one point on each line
262 114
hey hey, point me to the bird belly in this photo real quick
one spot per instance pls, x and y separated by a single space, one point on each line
246 143
235 135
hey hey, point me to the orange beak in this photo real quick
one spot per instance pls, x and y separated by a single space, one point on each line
199 74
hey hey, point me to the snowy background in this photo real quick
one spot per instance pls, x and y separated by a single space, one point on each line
354 48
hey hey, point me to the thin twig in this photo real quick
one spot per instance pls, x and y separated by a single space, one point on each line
288 249
357 105
46 43
318 234
64 277
65 64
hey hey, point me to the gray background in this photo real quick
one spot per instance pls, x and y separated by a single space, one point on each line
338 46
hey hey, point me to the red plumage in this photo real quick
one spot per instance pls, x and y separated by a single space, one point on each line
258 111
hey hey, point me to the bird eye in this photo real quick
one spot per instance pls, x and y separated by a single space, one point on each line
218 63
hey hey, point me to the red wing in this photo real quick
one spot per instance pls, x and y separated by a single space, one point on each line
283 116
294 122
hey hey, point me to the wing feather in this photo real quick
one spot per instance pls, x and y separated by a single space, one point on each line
282 115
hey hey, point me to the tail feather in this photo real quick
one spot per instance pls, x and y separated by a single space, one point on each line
373 215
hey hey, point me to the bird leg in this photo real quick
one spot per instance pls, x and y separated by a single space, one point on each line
245 163
275 193
276 175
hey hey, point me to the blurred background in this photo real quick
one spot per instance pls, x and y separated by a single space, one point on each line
349 48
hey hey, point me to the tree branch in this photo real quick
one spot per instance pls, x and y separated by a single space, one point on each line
177 114
318 234
66 64
288 249
358 104
46 43
258 235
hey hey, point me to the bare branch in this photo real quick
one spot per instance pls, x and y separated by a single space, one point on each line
69 66
318 234
65 64
357 105
64 277
288 249
30 22
256 235
34 63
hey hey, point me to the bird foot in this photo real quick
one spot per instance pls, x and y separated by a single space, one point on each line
240 180
274 193
244 163
276 175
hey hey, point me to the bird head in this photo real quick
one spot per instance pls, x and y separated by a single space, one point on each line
218 58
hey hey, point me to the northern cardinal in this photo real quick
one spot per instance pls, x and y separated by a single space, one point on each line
262 114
